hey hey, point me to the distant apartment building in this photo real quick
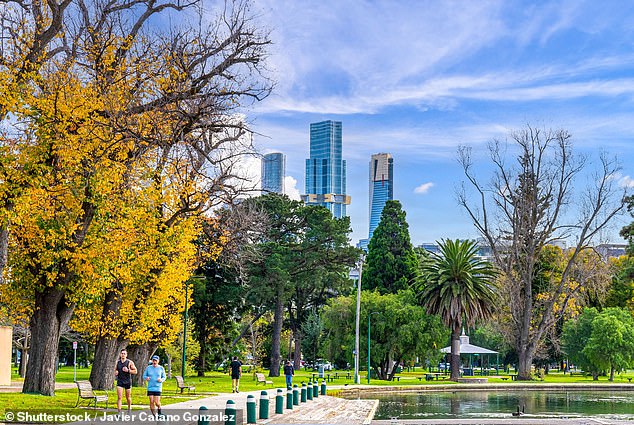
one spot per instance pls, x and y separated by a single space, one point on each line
381 187
609 250
325 169
273 172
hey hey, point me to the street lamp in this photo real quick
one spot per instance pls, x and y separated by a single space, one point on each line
185 317
369 316
359 268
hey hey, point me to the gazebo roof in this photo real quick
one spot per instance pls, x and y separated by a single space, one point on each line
466 348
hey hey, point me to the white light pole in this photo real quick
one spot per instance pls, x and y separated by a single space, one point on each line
357 379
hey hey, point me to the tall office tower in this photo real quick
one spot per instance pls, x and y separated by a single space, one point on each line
325 170
381 186
273 172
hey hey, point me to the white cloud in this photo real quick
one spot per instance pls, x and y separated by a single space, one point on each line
627 181
290 188
424 188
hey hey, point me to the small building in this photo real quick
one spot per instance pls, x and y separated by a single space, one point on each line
469 351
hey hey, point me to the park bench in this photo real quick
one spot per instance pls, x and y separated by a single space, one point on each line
261 378
181 385
85 392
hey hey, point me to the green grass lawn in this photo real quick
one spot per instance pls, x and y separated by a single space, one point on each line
216 382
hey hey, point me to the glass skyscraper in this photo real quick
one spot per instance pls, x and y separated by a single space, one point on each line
273 172
381 186
325 170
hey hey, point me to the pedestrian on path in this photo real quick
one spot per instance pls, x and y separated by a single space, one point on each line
236 373
289 371
154 375
123 371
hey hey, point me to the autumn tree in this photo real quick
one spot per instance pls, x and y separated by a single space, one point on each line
531 203
119 121
391 263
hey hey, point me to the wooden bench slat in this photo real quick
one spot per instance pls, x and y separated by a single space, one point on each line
262 379
86 392
181 385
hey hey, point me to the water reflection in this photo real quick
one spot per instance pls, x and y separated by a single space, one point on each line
492 404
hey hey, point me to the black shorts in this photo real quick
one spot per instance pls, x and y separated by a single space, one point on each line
124 386
155 393
235 376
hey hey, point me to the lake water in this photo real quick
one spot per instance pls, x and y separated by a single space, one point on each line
496 404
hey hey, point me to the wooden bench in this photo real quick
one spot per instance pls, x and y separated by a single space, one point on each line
262 379
181 385
85 392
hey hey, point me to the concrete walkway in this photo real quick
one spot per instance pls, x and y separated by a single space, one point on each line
320 410
16 386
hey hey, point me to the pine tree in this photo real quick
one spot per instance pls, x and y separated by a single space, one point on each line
391 262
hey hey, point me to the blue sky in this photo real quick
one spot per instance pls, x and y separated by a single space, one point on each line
419 78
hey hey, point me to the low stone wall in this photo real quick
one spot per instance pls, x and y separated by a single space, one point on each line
473 380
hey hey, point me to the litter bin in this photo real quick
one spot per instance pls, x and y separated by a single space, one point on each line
320 370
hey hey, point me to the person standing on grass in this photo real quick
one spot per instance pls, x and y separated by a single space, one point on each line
123 371
236 373
154 375
289 371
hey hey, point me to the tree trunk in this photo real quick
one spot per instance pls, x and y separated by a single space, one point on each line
611 374
51 314
106 355
277 333
454 360
140 355
201 362
23 358
524 365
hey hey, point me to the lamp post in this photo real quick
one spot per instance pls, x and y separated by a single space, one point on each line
185 316
357 379
369 316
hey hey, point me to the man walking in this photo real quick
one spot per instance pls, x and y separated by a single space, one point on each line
289 371
123 371
236 373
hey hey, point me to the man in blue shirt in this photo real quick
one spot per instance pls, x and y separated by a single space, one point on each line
154 375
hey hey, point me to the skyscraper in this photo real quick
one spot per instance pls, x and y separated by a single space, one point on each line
381 186
273 172
325 170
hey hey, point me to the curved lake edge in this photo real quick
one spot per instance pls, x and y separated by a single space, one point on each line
524 386
365 392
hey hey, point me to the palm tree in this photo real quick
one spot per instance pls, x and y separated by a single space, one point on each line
459 287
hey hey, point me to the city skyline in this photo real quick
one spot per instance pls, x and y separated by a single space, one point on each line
381 187
419 79
273 172
326 169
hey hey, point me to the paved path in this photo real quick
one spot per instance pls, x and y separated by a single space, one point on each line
320 410
16 386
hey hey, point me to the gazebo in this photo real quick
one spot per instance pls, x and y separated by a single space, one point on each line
473 350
